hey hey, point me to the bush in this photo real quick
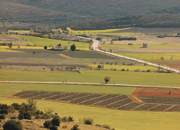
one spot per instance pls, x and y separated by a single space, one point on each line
54 127
21 116
27 115
73 47
148 70
137 70
106 79
70 119
12 125
75 127
48 124
37 117
2 116
56 121
13 117
98 125
123 70
112 129
45 47
127 70
106 126
64 126
88 121
3 111
64 119
16 106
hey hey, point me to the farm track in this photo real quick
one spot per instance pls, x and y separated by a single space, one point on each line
110 101
95 84
95 47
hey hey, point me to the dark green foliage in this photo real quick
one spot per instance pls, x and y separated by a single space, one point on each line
126 38
73 47
88 121
54 127
3 111
64 119
70 119
106 79
45 47
21 116
2 116
123 70
148 70
106 126
56 121
16 106
48 124
13 117
37 117
27 115
75 127
12 125
112 129
98 125
98 38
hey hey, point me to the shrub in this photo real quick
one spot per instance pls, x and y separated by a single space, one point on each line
48 124
45 47
127 70
75 127
2 116
56 121
37 117
54 127
13 117
162 58
106 126
21 116
114 69
123 70
98 125
112 129
12 125
106 79
34 44
3 111
27 115
70 119
64 126
88 121
137 70
64 119
148 70
73 47
16 106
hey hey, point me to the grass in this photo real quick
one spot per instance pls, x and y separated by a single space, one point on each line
160 46
7 89
52 42
131 68
9 50
23 47
120 120
95 76
19 31
153 56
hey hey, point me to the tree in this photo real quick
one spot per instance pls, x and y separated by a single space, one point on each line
73 47
106 79
75 127
56 121
45 47
12 125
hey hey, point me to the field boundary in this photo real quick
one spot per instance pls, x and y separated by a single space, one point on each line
94 84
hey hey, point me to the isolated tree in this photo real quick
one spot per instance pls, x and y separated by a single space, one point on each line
56 121
106 79
73 47
45 47
75 127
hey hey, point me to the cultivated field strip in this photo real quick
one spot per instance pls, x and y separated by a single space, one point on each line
113 101
164 100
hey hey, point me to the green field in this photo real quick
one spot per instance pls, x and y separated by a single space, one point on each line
95 76
131 68
152 46
120 120
7 89
45 41
153 56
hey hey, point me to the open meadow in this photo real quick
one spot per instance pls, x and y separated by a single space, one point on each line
95 76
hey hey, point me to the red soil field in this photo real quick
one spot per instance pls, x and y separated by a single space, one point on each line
156 92
175 65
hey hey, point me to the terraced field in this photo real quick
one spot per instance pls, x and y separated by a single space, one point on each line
112 101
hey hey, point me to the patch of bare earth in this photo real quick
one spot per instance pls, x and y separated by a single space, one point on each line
175 65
